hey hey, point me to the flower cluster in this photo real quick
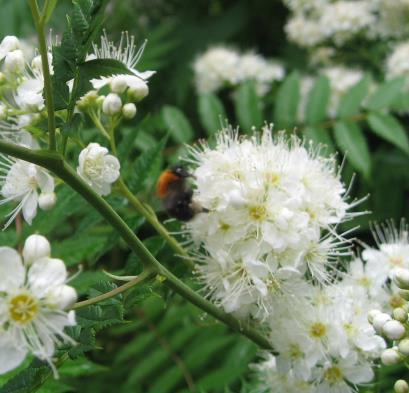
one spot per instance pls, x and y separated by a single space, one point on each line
34 298
269 251
222 67
272 205
116 95
397 63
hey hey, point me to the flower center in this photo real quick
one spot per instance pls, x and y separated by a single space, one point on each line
396 301
295 351
224 227
318 330
258 213
23 308
93 167
273 178
333 375
364 281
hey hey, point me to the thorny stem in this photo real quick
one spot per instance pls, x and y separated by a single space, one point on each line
49 101
137 280
56 164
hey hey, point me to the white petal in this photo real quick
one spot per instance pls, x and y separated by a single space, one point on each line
62 296
45 181
46 273
359 374
10 356
30 206
11 269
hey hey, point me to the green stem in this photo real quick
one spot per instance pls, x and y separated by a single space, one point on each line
149 216
49 101
55 163
137 280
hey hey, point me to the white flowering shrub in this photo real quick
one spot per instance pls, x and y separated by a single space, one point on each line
196 204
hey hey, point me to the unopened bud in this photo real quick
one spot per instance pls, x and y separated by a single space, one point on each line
112 104
35 247
403 347
401 278
65 296
390 356
400 314
380 320
14 61
401 386
129 110
138 91
88 100
8 44
372 314
393 330
118 84
46 201
404 294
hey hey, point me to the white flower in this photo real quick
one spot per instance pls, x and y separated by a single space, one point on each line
127 54
397 63
303 31
21 182
217 67
33 298
98 168
344 19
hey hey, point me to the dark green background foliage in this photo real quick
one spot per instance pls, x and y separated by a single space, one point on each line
149 340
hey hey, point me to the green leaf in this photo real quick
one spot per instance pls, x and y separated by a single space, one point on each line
320 136
316 107
248 106
352 142
389 128
211 112
352 100
177 124
286 102
386 94
143 167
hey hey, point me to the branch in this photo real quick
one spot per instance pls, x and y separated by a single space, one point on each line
55 163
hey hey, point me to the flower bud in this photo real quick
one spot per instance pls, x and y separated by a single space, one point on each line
138 91
129 110
401 386
112 104
403 347
118 84
390 356
63 296
380 320
400 314
393 330
9 43
36 247
401 278
372 314
14 61
46 201
88 100
36 63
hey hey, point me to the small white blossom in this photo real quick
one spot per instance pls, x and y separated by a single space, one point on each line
33 299
8 44
98 168
401 386
14 61
112 104
21 182
129 110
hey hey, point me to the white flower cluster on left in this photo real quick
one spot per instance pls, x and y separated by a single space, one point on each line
34 298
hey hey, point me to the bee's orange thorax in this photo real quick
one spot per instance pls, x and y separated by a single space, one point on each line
164 182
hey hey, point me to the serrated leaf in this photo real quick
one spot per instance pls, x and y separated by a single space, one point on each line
79 19
177 124
352 142
141 168
316 107
286 102
248 106
389 128
386 94
211 112
351 101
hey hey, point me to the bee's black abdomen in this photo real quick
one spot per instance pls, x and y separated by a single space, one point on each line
179 205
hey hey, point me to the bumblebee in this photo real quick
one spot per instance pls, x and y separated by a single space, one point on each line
172 188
